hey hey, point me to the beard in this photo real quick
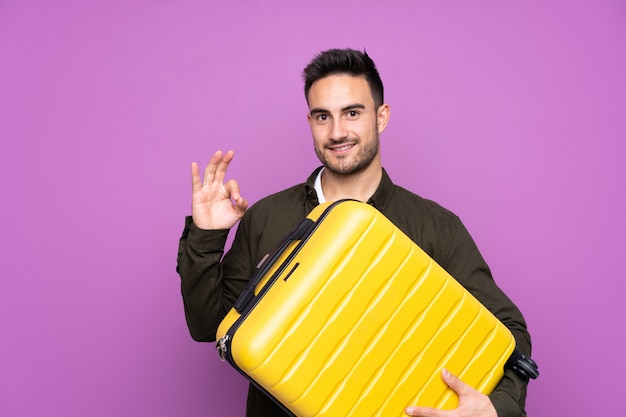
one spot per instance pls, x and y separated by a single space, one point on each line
350 164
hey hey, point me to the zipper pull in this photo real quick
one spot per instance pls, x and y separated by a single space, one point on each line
222 348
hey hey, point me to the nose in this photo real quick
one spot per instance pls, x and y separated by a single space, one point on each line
338 130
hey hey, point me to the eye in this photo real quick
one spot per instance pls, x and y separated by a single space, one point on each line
321 118
353 114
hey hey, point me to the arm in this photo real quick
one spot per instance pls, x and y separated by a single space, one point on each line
216 207
467 265
462 259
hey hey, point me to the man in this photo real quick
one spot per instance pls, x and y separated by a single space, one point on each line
346 115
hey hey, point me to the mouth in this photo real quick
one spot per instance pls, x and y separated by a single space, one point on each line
341 148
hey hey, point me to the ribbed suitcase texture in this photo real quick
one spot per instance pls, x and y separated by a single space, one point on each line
354 319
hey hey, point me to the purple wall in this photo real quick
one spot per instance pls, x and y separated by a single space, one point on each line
512 114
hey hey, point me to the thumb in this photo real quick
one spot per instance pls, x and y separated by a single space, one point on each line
240 204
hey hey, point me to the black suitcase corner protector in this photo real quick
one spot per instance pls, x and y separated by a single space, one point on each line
524 367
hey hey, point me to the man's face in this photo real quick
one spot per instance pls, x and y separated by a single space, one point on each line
345 123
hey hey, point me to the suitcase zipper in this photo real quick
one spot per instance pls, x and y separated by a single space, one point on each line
222 347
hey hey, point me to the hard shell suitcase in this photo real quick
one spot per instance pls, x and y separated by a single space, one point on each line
349 317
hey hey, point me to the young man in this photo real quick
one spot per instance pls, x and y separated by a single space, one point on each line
346 115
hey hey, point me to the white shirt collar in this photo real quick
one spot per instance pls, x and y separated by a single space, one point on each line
318 187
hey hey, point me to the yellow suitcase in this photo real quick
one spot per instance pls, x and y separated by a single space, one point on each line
349 317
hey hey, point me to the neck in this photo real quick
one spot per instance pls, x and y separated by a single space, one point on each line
358 186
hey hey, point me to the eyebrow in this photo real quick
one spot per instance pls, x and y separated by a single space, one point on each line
349 107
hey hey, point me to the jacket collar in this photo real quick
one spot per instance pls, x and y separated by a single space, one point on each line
380 199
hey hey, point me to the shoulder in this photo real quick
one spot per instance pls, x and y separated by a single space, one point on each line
433 227
405 207
408 204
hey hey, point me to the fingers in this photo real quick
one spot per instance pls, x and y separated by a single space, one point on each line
211 168
240 203
454 383
215 170
196 184
222 165
214 177
458 386
425 412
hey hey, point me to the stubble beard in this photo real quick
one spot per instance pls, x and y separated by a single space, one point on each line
351 164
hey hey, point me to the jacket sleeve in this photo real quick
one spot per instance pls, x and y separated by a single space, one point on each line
209 286
466 264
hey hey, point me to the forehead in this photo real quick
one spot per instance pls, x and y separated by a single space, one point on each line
340 90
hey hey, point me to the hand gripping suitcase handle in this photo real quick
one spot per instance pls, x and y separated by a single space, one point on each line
300 232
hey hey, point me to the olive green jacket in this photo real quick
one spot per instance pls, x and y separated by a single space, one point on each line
212 281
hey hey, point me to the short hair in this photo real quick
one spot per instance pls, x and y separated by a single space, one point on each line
344 61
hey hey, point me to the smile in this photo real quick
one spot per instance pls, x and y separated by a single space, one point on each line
342 148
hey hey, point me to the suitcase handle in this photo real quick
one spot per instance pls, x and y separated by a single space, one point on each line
300 232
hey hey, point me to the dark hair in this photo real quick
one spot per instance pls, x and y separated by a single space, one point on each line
344 61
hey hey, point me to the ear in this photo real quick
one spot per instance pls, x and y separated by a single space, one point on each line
382 117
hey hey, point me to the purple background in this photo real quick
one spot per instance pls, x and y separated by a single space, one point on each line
512 114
